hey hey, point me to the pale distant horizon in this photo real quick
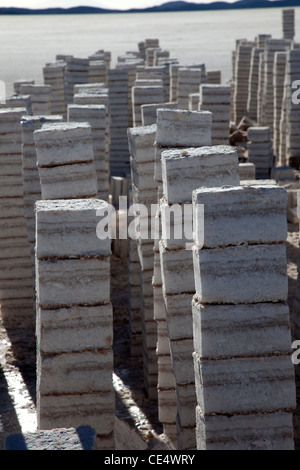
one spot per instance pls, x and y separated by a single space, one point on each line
109 4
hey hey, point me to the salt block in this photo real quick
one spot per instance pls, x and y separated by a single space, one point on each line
240 330
244 385
222 274
256 431
241 214
177 270
81 438
192 168
179 316
69 228
63 143
65 282
176 127
141 143
259 134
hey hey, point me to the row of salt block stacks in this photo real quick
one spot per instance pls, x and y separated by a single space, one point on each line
263 72
193 412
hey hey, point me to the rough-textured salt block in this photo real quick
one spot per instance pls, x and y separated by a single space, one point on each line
176 127
247 171
256 431
244 385
63 143
65 282
69 228
241 214
240 330
179 316
75 329
141 143
259 134
241 274
176 224
192 168
77 180
177 271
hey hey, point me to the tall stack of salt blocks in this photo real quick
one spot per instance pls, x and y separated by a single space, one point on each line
217 100
189 80
131 67
117 80
144 191
242 335
65 160
16 279
96 116
292 109
272 46
31 177
288 23
77 71
280 61
40 97
242 72
135 301
54 75
74 319
97 71
260 150
260 91
142 95
253 83
182 172
161 72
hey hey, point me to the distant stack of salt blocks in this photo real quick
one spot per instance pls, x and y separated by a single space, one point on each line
189 81
95 94
98 65
18 101
74 319
76 72
217 100
150 45
160 72
260 151
144 191
131 66
18 83
279 76
288 23
272 46
244 375
96 116
40 98
54 75
31 178
253 83
241 78
291 112
16 279
65 161
117 82
214 77
177 129
142 95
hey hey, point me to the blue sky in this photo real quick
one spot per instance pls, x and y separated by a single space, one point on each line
118 4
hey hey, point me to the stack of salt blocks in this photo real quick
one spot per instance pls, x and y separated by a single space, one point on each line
131 66
142 95
97 70
76 72
96 116
288 23
74 319
217 100
65 160
280 61
260 151
189 80
16 278
18 101
192 167
117 82
18 83
241 85
144 191
54 75
31 178
242 335
40 97
292 109
253 83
